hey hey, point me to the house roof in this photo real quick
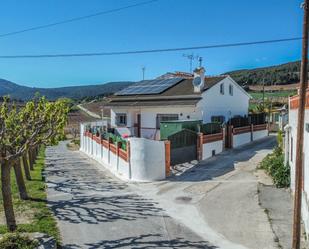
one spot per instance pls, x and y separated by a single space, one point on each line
180 94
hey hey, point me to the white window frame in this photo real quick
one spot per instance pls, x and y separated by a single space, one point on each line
121 119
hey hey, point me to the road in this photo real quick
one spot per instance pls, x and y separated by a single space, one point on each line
212 205
95 210
91 114
218 198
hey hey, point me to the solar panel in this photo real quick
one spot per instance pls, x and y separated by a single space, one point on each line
149 87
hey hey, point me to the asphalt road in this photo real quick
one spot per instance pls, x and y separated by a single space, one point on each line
218 198
95 210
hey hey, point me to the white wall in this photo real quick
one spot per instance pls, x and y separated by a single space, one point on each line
260 134
241 139
216 104
147 159
209 147
291 154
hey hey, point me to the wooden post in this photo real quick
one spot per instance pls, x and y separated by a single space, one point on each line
223 130
299 167
167 158
199 146
231 135
118 147
251 132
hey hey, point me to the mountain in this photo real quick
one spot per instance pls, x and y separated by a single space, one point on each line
287 73
75 92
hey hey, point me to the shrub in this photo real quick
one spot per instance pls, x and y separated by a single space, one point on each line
115 139
273 164
17 241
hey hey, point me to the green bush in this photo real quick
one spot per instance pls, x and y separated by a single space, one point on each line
76 141
273 164
17 241
115 139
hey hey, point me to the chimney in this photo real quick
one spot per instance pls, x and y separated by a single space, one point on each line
198 79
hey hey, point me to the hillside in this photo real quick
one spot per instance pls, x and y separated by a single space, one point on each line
75 92
287 73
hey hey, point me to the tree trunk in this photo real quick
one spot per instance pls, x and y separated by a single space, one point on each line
30 159
7 197
26 167
20 181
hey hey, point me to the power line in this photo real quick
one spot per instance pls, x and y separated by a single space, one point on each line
224 45
76 18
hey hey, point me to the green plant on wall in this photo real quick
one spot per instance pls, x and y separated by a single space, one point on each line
273 164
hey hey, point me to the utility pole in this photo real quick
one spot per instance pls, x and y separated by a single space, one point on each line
300 133
263 94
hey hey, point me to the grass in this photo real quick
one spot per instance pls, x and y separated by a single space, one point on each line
259 95
41 218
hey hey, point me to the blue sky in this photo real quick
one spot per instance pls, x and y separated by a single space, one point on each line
163 24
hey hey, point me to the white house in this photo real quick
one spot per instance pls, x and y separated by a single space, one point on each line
141 106
290 152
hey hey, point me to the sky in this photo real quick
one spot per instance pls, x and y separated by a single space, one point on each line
161 24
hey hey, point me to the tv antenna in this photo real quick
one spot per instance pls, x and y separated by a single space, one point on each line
191 57
143 72
200 61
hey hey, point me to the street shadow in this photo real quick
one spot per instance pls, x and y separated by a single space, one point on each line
93 210
82 194
224 162
144 242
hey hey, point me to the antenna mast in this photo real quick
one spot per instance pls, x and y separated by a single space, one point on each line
143 72
190 57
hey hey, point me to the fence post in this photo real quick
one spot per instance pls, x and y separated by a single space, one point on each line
223 130
231 135
199 146
91 153
118 147
109 150
251 132
128 151
167 145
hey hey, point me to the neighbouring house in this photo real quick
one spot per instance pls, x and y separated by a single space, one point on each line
290 152
141 107
278 118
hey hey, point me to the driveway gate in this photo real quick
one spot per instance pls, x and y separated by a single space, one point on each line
183 146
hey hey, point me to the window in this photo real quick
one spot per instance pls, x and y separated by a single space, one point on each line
165 117
222 88
217 119
231 90
121 119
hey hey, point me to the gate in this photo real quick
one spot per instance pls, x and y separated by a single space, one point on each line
183 146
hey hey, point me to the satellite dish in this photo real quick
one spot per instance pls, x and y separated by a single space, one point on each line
197 81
